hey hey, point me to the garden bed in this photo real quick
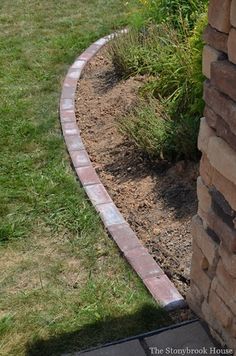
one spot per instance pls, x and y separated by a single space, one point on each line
157 198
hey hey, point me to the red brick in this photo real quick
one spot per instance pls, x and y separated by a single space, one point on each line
97 194
215 39
223 76
74 143
143 263
90 52
110 215
80 158
67 104
219 14
67 115
70 128
87 175
124 236
78 64
165 292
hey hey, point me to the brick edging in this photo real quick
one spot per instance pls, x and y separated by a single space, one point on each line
154 278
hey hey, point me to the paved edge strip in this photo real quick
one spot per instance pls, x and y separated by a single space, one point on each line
154 278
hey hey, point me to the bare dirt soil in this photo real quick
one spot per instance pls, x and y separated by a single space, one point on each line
158 199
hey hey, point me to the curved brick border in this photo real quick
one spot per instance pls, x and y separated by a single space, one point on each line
159 285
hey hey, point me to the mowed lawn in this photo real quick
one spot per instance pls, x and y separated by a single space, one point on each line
63 284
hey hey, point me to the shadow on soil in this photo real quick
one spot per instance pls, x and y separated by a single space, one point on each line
174 184
110 329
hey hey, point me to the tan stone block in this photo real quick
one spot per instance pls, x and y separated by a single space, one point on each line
223 77
215 39
211 177
198 275
210 317
206 170
222 105
232 45
222 230
205 133
222 157
195 298
229 261
227 188
209 56
204 197
211 117
233 13
224 294
220 310
208 247
228 282
219 14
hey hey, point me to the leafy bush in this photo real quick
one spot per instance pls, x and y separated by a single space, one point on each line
172 59
174 12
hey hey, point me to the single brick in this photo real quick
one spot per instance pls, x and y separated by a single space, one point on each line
198 275
232 45
204 241
222 157
220 310
229 261
97 194
74 143
87 175
143 263
215 39
110 215
124 236
67 115
219 14
203 195
222 105
204 135
70 128
163 290
233 13
67 104
80 158
223 76
209 56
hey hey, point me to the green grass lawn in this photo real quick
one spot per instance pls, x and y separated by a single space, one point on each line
63 283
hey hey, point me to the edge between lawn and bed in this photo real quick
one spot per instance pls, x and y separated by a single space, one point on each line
154 278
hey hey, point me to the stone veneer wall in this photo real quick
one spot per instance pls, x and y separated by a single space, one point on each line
213 273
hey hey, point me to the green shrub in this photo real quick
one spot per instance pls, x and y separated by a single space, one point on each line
169 127
174 12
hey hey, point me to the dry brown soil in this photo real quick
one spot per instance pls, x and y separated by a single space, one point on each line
158 199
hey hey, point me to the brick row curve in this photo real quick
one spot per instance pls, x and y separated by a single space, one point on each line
154 278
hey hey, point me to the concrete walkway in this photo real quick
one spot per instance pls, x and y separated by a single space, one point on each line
184 339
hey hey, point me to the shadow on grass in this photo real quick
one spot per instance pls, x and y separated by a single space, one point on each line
145 319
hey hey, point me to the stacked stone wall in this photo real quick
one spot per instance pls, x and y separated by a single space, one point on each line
213 272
